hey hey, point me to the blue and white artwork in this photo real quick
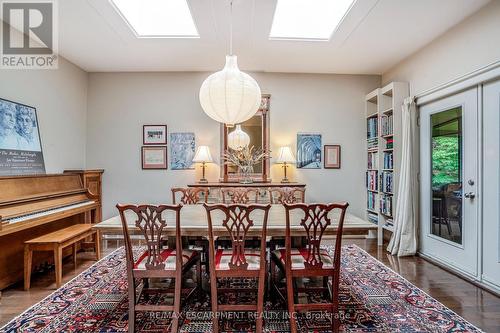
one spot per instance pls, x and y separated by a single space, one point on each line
182 148
20 147
18 127
308 151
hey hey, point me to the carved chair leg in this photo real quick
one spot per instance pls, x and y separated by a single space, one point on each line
291 303
215 308
199 274
177 302
260 303
131 306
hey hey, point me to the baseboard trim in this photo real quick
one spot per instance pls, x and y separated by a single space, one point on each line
461 275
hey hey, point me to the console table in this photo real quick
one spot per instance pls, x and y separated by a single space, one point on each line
214 188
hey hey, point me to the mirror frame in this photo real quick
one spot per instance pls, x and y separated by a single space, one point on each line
260 177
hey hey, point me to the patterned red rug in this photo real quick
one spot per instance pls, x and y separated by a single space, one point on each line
373 299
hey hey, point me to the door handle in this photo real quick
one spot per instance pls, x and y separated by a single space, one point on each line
470 195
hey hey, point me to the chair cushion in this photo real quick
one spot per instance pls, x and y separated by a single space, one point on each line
223 257
168 256
300 255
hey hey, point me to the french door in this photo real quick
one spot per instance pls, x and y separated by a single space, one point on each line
449 157
491 184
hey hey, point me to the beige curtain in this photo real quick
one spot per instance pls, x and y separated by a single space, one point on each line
404 238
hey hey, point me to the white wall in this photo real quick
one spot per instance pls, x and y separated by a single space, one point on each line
472 44
60 99
120 103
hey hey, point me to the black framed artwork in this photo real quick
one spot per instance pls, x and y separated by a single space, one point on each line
154 134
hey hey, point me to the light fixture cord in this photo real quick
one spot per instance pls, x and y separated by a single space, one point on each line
231 28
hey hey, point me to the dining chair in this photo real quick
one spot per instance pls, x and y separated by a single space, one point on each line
239 195
156 260
288 195
189 195
235 221
312 260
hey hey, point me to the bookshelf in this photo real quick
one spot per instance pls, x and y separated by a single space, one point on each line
383 151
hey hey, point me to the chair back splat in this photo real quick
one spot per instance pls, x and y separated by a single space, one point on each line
235 221
287 195
190 195
240 195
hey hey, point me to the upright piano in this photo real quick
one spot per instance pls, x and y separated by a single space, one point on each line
33 205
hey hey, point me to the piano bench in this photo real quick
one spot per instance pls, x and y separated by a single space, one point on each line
56 241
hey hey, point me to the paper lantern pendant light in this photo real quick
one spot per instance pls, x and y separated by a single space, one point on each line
230 96
238 139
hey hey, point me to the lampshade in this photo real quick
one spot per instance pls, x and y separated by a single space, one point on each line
238 139
230 96
285 156
202 155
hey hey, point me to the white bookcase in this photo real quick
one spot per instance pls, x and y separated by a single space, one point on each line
383 153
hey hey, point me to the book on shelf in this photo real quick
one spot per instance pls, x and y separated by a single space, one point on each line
372 160
386 181
372 217
389 144
386 125
372 143
389 222
372 127
371 180
371 203
388 160
385 204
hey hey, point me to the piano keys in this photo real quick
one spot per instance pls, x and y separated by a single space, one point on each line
33 205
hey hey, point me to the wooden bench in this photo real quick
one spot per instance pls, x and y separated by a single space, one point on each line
56 241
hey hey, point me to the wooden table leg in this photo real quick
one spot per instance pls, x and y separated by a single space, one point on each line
28 258
97 244
58 264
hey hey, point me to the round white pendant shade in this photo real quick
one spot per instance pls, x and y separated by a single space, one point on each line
238 139
230 96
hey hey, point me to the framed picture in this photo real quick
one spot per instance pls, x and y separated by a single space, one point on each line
154 157
332 157
20 144
154 134
309 151
182 146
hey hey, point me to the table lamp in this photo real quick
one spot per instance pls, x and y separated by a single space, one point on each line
285 156
203 156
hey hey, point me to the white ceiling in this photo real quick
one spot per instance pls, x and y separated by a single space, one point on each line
374 36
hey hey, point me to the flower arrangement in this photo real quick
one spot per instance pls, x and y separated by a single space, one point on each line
245 158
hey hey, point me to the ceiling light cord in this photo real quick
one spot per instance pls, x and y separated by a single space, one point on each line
231 28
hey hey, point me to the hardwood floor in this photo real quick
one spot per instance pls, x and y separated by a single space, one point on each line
474 304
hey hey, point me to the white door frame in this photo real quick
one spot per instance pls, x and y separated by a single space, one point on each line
462 257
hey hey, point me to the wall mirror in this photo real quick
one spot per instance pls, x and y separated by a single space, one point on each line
257 129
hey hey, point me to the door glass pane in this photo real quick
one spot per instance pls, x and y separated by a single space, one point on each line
447 174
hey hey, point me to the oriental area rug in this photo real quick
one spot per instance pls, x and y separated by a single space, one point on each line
373 298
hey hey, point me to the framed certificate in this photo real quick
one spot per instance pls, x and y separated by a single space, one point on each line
154 158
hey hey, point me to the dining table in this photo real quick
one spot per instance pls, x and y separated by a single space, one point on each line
194 223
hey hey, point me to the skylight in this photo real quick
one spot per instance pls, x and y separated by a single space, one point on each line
158 18
308 19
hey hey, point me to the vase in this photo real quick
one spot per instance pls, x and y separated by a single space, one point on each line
246 172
